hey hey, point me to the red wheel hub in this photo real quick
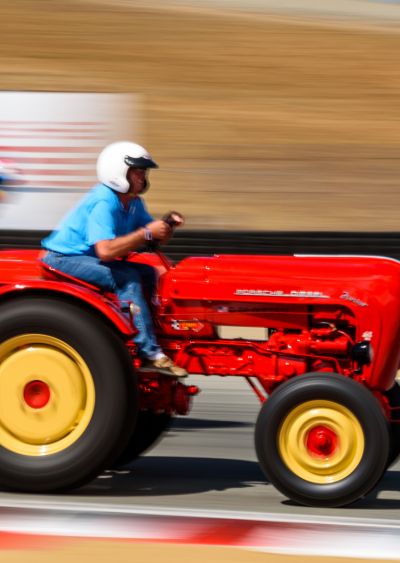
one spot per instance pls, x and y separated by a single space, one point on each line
36 394
321 441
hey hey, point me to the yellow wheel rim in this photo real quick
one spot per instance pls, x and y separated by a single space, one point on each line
32 363
321 441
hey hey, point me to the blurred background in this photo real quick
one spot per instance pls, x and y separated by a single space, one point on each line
268 115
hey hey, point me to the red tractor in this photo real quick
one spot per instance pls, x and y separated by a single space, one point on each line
73 399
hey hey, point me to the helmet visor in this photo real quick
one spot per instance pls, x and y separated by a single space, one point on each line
141 162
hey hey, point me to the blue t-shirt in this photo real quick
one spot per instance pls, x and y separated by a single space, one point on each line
100 215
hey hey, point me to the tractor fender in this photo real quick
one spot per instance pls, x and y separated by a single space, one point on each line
89 298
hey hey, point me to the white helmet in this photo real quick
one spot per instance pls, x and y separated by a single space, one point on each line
115 160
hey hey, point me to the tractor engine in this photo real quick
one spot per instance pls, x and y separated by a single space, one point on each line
322 341
317 341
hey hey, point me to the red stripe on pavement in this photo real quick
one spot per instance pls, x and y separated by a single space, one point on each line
332 538
23 541
16 541
187 531
228 532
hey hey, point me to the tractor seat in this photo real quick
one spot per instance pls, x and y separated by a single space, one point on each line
51 273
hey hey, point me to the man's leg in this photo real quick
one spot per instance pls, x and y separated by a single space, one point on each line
121 278
124 279
87 268
130 279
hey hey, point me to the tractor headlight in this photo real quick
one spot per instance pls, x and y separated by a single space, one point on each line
363 353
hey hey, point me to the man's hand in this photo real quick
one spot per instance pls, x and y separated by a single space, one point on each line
174 219
162 230
159 229
177 218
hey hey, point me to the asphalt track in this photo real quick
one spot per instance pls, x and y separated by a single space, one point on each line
207 463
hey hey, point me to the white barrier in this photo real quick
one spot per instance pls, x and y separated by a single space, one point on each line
53 140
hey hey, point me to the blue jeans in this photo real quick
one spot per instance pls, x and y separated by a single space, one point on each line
126 280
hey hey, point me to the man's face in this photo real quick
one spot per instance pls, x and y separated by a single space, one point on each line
137 179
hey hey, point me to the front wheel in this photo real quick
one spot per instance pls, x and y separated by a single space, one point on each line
322 440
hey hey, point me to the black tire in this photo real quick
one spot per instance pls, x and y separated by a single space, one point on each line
285 423
97 380
149 428
393 396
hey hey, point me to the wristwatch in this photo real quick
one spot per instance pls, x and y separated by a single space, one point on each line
148 235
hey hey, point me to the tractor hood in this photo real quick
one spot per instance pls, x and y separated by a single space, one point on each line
351 280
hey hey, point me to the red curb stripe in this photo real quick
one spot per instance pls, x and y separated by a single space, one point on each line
228 532
233 533
19 541
358 540
16 541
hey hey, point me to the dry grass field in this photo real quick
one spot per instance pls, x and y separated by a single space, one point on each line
258 122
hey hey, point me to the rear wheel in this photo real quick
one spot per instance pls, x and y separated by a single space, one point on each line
148 430
322 440
393 396
65 388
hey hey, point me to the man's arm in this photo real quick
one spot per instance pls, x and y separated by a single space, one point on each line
110 249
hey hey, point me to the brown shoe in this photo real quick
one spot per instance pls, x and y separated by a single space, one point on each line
164 365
